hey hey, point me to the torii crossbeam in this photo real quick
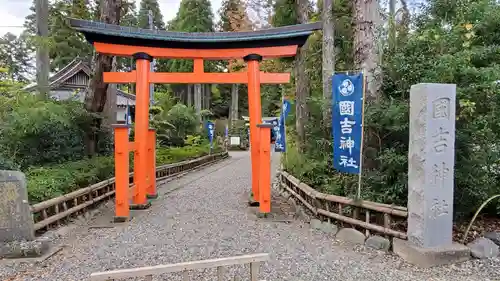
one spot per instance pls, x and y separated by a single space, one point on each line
144 45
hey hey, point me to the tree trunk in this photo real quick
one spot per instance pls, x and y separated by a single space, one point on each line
182 94
301 80
366 51
208 95
189 95
203 96
42 49
328 61
197 100
95 99
234 104
404 27
366 58
110 106
392 24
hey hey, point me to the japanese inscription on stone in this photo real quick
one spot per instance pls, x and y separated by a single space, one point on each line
16 221
441 108
430 165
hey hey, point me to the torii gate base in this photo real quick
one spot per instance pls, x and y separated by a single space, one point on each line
143 46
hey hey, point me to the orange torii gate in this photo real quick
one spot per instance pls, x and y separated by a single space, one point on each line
144 45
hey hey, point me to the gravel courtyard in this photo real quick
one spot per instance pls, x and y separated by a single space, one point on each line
204 215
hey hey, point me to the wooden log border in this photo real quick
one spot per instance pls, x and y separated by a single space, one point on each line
57 210
371 217
254 260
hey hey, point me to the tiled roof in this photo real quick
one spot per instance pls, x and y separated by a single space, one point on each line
73 68
108 33
63 74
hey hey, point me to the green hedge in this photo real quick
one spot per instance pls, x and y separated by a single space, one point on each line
52 181
35 132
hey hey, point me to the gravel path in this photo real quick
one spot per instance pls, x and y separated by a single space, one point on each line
208 218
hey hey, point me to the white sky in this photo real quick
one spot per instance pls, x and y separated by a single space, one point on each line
13 12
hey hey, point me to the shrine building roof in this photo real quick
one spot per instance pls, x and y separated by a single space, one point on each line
123 35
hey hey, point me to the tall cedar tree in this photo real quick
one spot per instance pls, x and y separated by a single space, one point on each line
15 58
128 18
193 16
233 17
366 58
301 79
328 56
143 18
65 43
96 96
285 13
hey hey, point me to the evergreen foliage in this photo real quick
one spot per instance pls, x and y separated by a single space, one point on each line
233 16
449 44
15 58
36 132
143 15
193 16
66 44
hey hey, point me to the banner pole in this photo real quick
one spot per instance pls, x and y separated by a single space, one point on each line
284 125
282 166
362 138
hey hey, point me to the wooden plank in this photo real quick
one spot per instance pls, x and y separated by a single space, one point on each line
364 204
221 272
208 54
374 206
387 221
367 220
45 222
308 190
169 268
148 278
295 181
363 224
185 275
63 198
254 271
309 206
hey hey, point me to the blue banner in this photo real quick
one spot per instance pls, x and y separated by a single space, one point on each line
273 121
211 130
280 144
226 132
347 119
275 128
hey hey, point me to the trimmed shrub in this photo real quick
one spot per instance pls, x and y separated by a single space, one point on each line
36 132
52 181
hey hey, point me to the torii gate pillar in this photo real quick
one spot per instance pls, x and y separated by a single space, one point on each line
255 112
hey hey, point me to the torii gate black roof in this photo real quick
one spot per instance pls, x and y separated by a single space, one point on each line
123 35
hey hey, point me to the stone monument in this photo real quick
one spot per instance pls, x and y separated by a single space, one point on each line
17 232
16 221
431 178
